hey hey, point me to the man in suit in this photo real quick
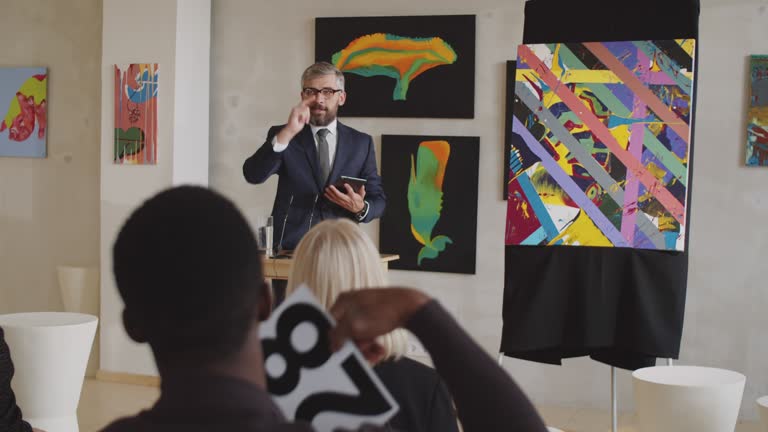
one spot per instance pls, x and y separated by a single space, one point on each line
310 153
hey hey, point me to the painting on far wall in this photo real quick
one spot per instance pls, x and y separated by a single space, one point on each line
601 139
24 111
402 66
431 215
136 92
757 123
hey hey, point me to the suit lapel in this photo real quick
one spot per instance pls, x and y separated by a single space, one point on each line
307 142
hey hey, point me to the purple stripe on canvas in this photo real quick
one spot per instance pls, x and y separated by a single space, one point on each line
570 187
630 207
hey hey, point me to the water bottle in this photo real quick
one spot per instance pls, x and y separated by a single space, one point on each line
269 246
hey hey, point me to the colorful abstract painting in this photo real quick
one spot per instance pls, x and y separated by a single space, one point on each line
23 107
136 91
757 124
431 214
600 145
407 66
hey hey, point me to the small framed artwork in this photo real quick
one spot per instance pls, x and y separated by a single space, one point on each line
757 117
24 111
136 93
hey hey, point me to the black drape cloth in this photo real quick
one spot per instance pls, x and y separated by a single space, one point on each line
623 307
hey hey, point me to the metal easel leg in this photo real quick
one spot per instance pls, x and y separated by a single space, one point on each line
614 403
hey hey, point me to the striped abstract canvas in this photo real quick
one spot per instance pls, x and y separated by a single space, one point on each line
600 144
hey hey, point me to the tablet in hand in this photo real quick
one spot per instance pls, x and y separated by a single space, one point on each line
354 182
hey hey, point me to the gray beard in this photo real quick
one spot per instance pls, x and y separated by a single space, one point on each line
317 122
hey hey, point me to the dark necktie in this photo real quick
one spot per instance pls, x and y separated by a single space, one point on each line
323 154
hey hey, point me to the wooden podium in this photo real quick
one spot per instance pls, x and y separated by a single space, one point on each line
280 268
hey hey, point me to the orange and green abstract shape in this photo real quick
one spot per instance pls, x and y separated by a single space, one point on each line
425 196
398 57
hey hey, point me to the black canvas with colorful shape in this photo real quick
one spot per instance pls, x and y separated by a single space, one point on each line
431 215
403 66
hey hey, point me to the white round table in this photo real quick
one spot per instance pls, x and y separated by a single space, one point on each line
50 352
762 408
687 398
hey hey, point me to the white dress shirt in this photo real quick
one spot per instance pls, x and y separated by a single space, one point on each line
331 138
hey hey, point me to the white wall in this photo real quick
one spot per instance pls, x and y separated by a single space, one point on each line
259 52
191 122
124 187
727 308
176 35
49 208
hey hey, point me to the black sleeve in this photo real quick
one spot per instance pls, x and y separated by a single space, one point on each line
486 397
442 415
265 162
374 191
10 414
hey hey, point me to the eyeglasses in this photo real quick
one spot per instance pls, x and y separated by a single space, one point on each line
326 92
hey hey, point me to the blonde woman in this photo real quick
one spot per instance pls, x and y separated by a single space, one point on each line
337 256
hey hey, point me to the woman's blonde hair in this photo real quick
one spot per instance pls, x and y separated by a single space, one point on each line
337 256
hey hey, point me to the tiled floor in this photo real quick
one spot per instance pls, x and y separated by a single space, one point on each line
594 420
101 402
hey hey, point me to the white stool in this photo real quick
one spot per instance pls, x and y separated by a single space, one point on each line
50 352
79 288
762 407
687 398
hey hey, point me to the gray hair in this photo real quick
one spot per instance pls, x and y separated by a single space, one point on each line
321 69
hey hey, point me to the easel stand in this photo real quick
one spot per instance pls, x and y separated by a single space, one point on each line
614 397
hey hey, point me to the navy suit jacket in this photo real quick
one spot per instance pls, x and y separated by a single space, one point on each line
299 201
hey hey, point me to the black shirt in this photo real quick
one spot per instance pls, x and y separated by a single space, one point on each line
486 398
10 414
425 404
209 403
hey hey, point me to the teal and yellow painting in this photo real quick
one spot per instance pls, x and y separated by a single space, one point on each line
431 216
425 196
